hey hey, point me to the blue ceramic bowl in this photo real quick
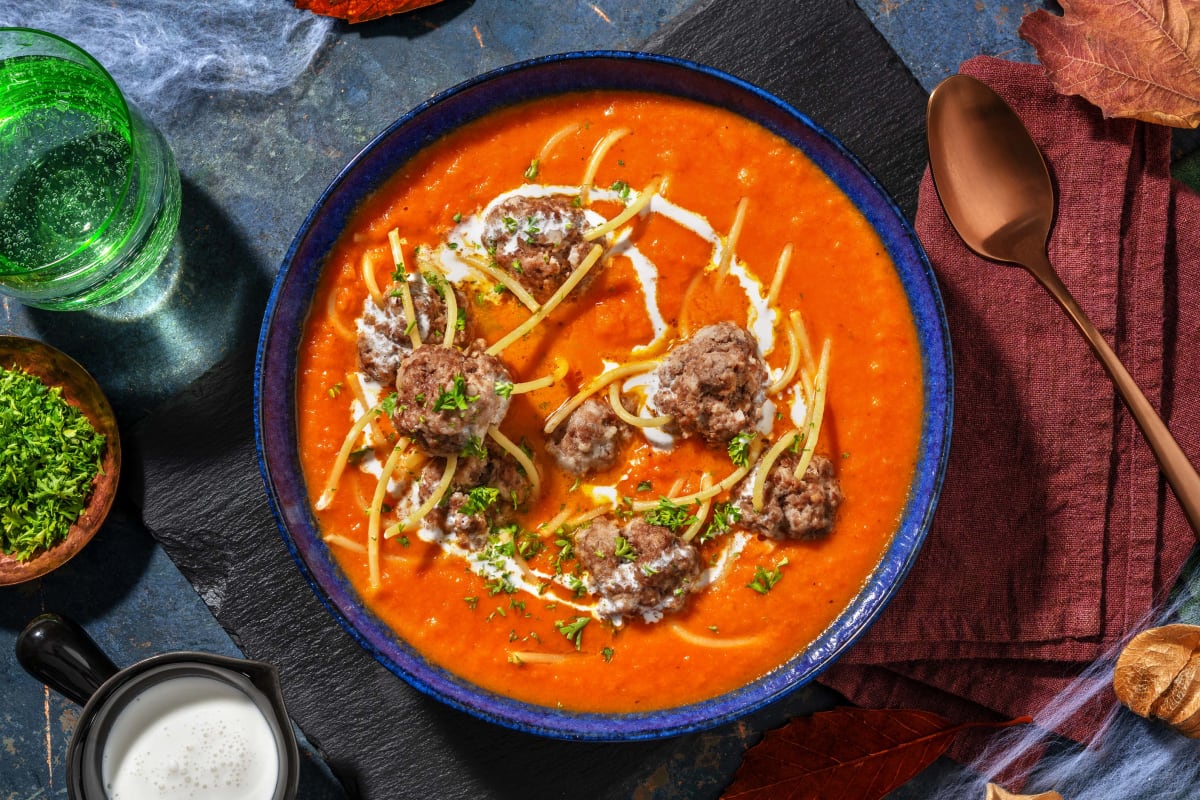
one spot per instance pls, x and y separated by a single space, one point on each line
297 281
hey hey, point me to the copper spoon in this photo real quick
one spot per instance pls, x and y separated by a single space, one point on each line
997 193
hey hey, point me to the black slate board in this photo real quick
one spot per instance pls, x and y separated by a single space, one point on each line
203 499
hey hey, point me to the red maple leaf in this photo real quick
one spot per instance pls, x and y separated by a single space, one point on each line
847 753
361 10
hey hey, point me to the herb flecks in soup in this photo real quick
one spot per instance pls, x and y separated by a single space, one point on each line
609 402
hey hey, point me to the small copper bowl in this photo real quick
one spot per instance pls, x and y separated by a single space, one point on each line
56 368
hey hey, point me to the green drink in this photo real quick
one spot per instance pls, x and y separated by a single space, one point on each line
89 192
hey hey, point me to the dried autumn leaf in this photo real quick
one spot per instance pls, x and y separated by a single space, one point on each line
1132 58
995 792
848 753
361 10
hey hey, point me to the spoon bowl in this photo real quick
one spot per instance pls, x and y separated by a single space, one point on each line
996 191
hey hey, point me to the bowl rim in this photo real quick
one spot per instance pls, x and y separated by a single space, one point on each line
274 371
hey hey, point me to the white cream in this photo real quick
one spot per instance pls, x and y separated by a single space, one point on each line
190 738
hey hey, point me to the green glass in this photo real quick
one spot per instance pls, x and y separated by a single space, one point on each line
89 191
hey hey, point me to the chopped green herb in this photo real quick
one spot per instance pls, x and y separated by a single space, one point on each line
358 455
575 485
577 201
435 282
452 245
622 190
573 629
49 455
670 515
504 388
404 541
723 518
765 580
739 448
644 486
607 654
532 172
409 327
335 390
388 404
460 320
457 216
623 549
510 224
474 447
471 602
456 399
479 499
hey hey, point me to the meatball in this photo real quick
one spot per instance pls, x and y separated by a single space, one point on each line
590 439
649 574
383 329
538 239
467 515
793 509
713 385
446 397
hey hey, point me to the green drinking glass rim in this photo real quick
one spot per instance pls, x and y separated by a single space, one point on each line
6 266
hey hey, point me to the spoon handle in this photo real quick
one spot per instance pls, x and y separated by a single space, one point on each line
1180 473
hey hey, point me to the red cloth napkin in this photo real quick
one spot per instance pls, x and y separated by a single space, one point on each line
1055 533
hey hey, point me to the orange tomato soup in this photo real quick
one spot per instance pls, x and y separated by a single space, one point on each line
840 279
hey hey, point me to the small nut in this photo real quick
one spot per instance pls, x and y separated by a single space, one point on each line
1158 676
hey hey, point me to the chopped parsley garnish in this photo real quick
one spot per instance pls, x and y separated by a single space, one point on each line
388 404
607 654
436 282
510 224
723 518
644 486
504 388
358 455
765 580
566 553
471 602
457 216
670 515
623 549
49 455
532 172
456 399
480 499
474 447
739 448
577 201
460 320
531 228
573 629
335 390
622 190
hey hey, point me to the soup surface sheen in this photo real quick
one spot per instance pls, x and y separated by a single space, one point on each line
761 600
